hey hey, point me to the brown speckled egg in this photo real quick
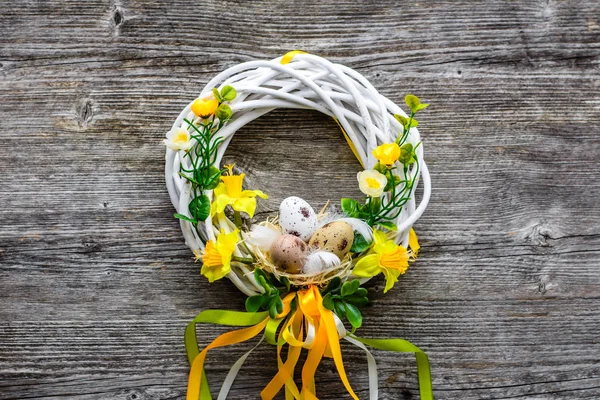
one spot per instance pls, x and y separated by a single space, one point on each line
336 237
288 252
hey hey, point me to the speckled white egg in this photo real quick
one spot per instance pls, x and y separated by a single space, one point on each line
288 253
297 217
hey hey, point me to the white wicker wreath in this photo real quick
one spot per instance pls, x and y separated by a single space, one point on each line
301 81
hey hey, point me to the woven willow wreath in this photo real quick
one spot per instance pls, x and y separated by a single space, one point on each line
301 262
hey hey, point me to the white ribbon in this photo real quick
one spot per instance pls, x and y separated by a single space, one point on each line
372 365
235 368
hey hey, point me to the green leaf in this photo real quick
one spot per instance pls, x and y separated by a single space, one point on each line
273 310
279 305
258 273
407 154
379 167
286 282
216 94
421 106
185 218
361 292
224 112
412 102
363 208
263 282
350 207
354 316
333 284
254 303
388 225
357 300
340 308
359 244
328 301
404 121
349 287
374 205
228 93
210 177
200 207
294 305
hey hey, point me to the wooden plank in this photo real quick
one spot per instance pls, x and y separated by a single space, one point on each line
96 285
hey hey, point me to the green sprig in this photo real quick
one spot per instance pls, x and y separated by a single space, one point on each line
204 175
270 300
345 300
383 211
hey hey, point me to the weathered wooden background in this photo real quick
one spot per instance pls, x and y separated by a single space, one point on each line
96 285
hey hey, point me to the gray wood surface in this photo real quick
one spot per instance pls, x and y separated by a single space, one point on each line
96 284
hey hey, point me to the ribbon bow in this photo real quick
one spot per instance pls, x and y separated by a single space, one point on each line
306 324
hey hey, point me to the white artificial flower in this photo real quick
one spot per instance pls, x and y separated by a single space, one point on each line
178 139
371 182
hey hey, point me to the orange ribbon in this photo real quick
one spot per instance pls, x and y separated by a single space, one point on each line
310 326
237 336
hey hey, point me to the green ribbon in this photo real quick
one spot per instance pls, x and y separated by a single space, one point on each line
404 346
236 318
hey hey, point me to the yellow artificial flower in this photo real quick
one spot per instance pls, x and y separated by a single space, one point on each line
371 182
387 153
385 256
216 256
204 108
229 192
413 242
178 139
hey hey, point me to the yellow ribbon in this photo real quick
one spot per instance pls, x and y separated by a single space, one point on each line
287 57
350 143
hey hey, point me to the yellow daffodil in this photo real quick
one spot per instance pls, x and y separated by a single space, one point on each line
229 192
204 108
385 256
197 255
387 153
178 139
371 182
413 242
216 256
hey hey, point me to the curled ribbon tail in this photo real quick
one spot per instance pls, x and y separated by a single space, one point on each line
404 346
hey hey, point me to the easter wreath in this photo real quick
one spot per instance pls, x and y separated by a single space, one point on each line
303 271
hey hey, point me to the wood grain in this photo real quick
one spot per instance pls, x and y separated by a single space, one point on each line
96 285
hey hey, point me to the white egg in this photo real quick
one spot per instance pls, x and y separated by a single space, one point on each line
297 217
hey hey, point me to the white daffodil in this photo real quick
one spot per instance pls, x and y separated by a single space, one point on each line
371 182
178 139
